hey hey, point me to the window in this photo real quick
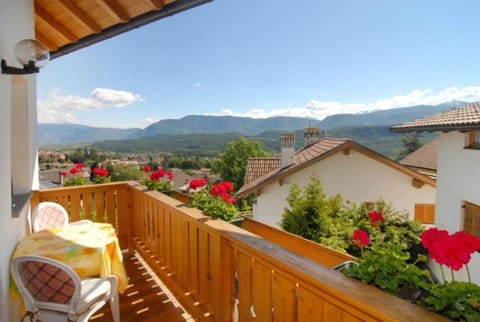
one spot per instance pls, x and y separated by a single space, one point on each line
425 213
473 139
471 218
371 206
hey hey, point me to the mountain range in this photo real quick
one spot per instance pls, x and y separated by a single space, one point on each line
63 134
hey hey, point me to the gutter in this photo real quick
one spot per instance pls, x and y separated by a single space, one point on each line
435 128
139 21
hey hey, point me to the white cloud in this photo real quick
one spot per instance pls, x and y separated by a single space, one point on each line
320 109
148 121
198 85
115 98
59 107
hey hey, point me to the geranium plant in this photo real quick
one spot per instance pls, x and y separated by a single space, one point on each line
386 262
216 202
456 300
75 176
159 180
388 265
195 185
100 175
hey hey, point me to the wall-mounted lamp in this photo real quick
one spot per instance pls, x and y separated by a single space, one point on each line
32 54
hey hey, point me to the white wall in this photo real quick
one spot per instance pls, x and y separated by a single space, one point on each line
458 180
355 177
16 23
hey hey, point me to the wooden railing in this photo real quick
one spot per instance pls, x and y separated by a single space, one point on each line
311 250
221 272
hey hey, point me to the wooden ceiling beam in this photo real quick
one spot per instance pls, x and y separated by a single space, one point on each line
80 16
46 41
157 3
114 10
54 24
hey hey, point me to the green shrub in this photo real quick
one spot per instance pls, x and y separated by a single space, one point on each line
125 173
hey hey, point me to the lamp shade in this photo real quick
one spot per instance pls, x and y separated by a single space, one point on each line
30 51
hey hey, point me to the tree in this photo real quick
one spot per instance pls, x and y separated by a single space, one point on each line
410 142
310 212
232 164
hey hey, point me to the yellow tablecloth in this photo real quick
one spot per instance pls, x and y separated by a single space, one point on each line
91 249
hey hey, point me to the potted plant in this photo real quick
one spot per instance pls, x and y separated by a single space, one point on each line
100 175
457 300
216 202
75 176
388 265
159 180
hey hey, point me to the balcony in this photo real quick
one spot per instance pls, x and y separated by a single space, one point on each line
218 271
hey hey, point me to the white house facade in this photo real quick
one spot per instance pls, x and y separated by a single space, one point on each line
18 130
458 174
359 175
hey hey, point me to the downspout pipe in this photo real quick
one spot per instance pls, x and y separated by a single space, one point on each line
139 21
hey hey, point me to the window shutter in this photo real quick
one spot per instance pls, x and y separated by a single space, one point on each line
471 218
425 213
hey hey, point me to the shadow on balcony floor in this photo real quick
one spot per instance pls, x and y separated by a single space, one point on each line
145 299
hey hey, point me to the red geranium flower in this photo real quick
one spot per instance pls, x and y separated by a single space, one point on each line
228 186
170 175
79 165
375 217
63 173
432 235
229 199
453 250
218 189
100 172
147 168
74 170
160 173
360 238
197 183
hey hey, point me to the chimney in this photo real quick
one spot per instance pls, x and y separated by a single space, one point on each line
310 135
288 149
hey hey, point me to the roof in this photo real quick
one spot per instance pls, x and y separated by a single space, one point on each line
256 167
424 157
318 151
65 26
463 118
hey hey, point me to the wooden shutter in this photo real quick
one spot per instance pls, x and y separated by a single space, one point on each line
471 218
425 213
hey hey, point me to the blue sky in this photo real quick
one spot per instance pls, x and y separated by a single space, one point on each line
262 58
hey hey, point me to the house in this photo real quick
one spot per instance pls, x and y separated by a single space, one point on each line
458 170
63 27
424 159
344 167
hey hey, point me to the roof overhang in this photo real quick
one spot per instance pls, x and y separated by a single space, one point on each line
65 26
436 128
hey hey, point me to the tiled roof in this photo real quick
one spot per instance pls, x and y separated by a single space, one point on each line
317 151
257 167
461 118
425 157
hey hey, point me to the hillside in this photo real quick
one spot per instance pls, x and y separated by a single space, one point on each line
226 124
50 134
386 117
208 135
377 138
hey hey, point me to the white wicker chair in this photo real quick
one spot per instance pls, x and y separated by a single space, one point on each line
47 215
53 292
